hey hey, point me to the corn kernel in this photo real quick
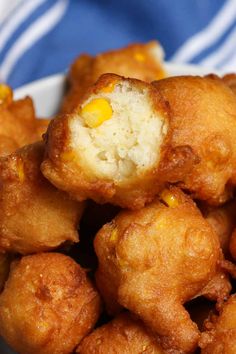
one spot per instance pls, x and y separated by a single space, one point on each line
169 198
20 170
96 112
6 94
68 156
114 235
139 57
110 87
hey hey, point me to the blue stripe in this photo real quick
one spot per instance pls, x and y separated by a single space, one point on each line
28 21
215 46
12 13
94 26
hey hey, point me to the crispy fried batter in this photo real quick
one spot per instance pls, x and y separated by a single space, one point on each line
203 118
48 305
139 61
220 337
17 124
112 149
41 127
154 260
125 334
34 216
230 80
223 221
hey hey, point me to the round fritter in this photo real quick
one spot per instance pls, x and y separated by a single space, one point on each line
154 260
220 337
48 305
125 334
112 148
203 118
35 216
139 61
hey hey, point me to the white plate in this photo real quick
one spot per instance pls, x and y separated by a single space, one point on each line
48 92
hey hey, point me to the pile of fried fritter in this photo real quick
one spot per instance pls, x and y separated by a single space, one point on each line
118 218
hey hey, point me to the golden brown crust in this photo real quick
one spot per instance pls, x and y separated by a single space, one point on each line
125 334
48 305
220 337
203 118
154 260
41 127
223 221
68 175
230 80
134 61
35 216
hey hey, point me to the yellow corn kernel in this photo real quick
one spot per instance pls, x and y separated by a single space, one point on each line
68 156
169 198
114 235
110 87
6 94
139 57
20 170
96 112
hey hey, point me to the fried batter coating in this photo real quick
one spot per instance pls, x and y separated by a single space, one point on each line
125 334
139 61
203 119
34 216
223 221
41 127
220 337
230 80
17 122
111 149
48 305
154 260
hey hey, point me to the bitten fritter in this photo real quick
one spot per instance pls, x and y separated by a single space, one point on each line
48 305
203 119
128 138
139 61
125 334
110 150
220 337
223 221
35 216
17 122
154 260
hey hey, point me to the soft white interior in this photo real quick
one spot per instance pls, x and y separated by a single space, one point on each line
126 145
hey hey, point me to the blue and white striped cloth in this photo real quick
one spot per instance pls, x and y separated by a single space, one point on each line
42 37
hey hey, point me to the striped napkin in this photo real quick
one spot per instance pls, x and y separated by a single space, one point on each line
42 37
